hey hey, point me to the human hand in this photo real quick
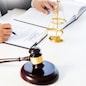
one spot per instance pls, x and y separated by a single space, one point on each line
5 32
44 5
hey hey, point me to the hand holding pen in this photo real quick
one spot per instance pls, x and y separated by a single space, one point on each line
44 5
5 32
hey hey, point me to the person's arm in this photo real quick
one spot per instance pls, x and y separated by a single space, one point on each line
21 4
44 5
5 32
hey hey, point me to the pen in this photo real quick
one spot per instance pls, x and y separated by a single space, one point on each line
10 28
73 18
14 33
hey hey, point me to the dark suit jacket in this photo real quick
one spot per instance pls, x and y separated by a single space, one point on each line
11 4
3 7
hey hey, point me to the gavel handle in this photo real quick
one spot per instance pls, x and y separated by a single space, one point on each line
4 60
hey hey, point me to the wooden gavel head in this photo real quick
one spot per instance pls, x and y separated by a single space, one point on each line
36 58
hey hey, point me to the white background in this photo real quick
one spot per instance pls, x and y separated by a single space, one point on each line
81 0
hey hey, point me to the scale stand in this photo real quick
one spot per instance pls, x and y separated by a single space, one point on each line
37 71
55 25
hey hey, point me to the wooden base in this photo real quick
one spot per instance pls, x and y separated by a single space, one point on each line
44 76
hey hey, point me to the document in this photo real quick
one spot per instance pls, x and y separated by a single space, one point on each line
70 10
26 35
31 26
75 17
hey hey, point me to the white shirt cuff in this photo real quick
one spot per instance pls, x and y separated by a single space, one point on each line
32 3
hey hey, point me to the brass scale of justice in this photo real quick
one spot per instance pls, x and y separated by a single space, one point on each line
36 70
55 24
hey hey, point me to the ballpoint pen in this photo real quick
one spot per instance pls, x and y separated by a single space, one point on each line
14 33
10 28
75 17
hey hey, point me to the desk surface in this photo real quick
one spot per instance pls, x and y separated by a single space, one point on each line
69 57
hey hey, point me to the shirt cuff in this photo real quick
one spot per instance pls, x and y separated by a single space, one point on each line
32 3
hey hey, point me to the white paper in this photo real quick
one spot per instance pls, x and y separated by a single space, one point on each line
67 10
26 35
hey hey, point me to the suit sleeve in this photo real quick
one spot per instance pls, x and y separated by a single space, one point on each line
22 4
3 7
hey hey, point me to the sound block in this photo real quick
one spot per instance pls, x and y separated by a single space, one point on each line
48 74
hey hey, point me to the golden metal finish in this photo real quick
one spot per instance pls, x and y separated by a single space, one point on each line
55 25
60 20
56 38
36 60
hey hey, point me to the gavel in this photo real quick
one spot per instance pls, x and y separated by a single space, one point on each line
36 70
